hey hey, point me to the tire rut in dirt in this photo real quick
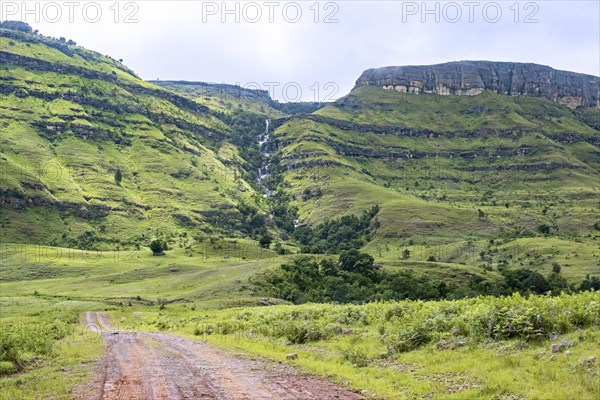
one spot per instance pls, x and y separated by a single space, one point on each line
157 366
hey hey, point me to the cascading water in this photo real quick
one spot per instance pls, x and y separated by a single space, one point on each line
263 170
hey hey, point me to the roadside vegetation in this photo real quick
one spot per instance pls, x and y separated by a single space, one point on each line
533 347
45 351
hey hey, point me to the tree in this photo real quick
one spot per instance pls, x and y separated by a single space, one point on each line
590 283
158 247
536 283
355 261
265 241
118 176
556 268
329 267
406 254
556 283
524 280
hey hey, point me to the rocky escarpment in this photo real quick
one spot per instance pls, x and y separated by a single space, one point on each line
562 137
10 85
11 198
473 77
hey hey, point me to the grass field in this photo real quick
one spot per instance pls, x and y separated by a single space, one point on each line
204 292
45 290
43 341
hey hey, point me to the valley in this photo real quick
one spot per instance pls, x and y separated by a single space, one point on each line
431 234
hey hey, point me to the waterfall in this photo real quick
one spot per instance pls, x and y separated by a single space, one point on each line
262 139
263 170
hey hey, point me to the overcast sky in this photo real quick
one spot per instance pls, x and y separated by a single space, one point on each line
300 44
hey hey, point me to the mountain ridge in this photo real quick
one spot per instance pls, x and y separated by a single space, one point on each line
474 77
216 89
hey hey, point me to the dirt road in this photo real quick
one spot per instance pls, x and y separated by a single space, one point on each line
156 366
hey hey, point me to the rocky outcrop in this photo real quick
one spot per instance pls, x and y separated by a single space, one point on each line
65 69
12 199
473 77
16 26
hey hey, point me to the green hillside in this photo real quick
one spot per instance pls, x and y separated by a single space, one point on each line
453 175
72 118
94 158
432 234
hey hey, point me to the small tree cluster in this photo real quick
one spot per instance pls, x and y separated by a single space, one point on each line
353 278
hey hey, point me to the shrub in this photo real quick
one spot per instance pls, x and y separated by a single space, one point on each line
162 325
355 356
158 246
22 342
590 283
7 368
543 228
395 311
556 268
265 241
408 340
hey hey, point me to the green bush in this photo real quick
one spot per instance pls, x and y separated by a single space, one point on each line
408 325
355 356
352 278
332 236
22 341
158 246
7 368
408 340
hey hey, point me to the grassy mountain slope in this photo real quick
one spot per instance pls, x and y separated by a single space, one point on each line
71 118
451 174
225 98
93 157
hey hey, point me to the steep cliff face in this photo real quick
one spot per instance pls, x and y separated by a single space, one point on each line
473 77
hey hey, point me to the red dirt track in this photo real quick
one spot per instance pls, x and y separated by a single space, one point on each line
157 366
